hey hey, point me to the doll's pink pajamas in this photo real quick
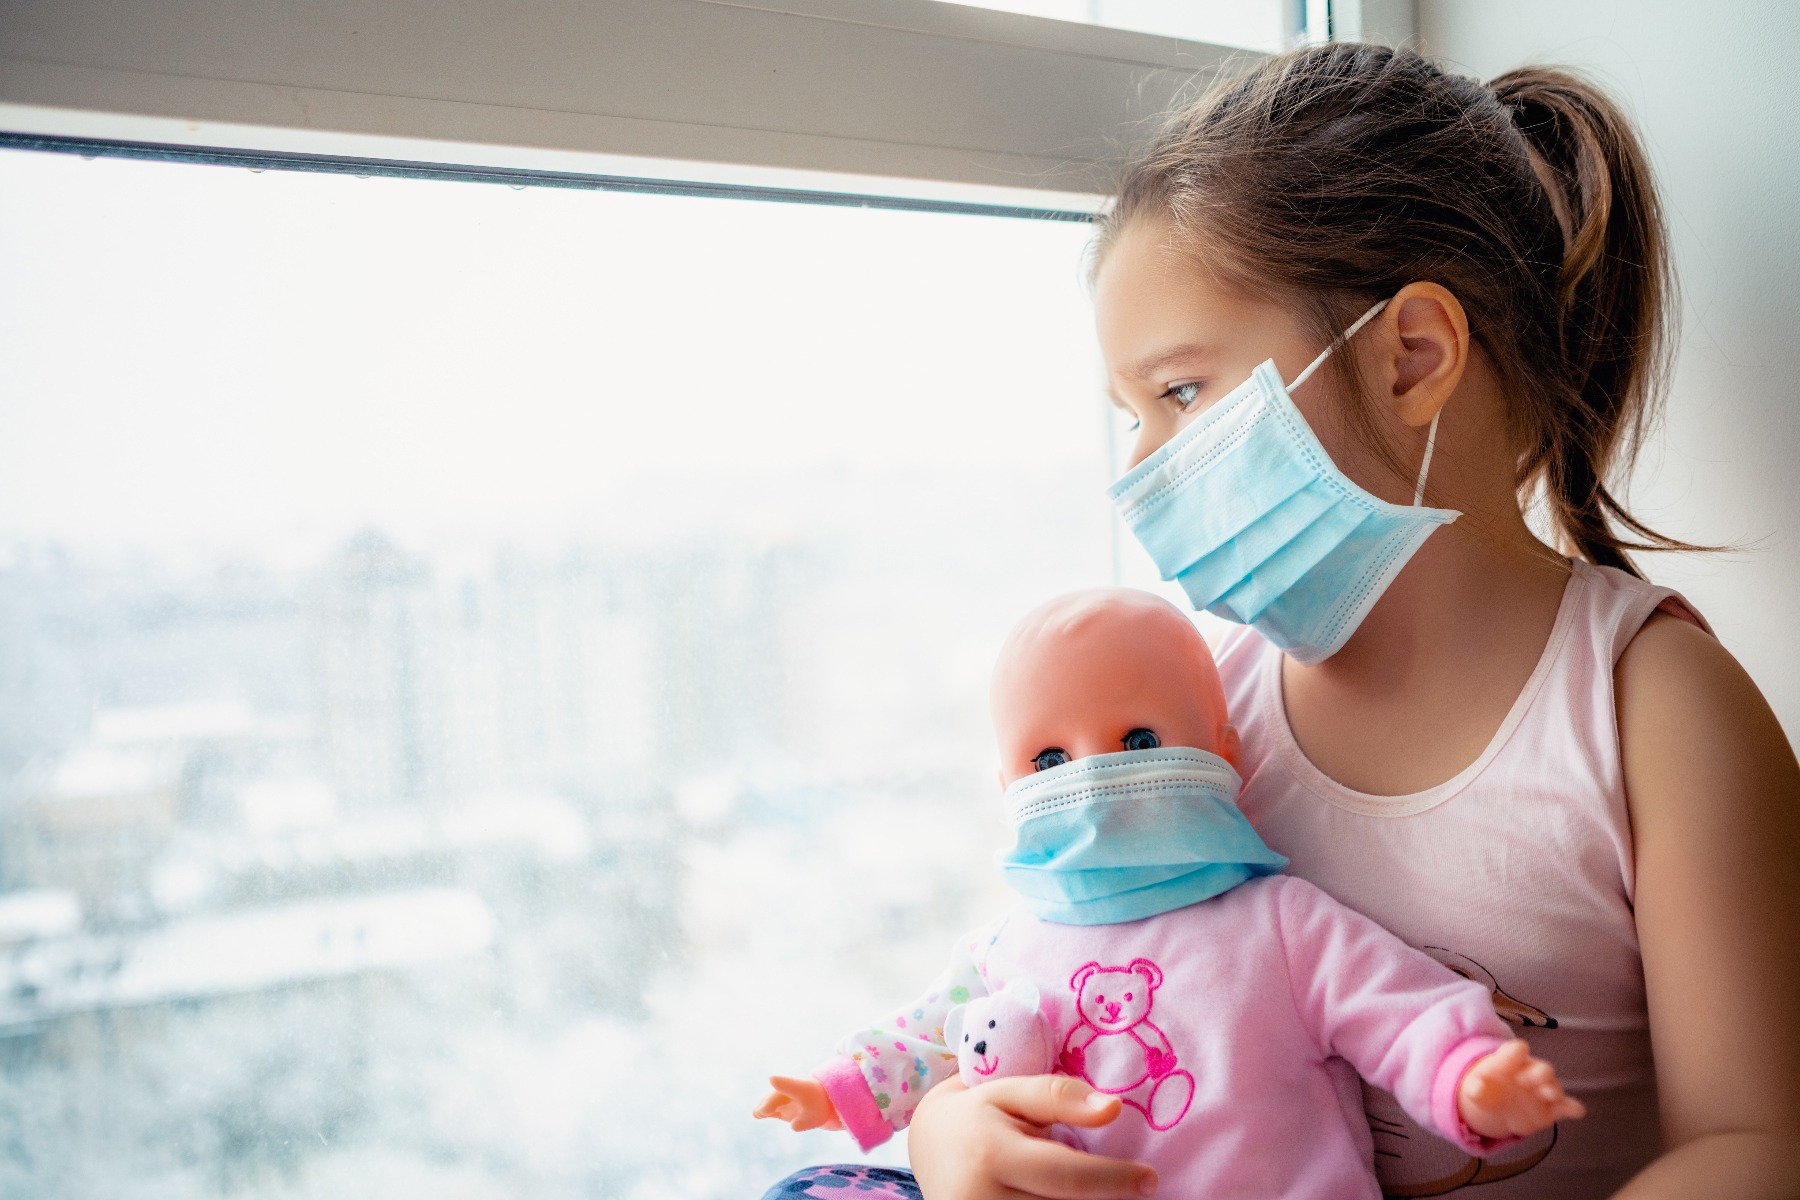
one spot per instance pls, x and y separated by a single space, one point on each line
1233 1030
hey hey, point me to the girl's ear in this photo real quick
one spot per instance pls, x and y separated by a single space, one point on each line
1422 359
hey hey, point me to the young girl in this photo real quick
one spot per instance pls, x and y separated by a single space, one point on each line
1533 764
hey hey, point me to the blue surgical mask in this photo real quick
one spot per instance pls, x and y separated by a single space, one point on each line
1248 513
1120 837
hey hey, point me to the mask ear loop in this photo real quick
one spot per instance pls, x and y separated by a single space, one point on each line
1339 340
1315 364
1430 444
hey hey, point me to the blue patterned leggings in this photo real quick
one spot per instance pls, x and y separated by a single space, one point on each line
846 1183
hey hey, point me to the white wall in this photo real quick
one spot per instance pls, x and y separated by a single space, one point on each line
1712 89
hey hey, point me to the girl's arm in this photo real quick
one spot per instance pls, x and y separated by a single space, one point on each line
1714 795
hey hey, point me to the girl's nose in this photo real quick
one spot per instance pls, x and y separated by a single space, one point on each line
1150 437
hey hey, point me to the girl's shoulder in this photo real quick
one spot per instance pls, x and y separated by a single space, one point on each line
1681 695
1626 604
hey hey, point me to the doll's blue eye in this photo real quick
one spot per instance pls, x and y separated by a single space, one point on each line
1053 757
1142 739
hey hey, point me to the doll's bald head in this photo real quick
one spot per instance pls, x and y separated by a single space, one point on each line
1103 670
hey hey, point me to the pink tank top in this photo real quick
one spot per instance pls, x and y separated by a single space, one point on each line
1517 872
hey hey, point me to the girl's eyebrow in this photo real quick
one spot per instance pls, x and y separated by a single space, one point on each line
1144 368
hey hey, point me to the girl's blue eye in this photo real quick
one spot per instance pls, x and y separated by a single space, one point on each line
1053 757
1185 394
1142 739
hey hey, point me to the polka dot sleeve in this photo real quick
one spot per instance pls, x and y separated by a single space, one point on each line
882 1070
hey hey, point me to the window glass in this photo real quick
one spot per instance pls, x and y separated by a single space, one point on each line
488 675
1250 24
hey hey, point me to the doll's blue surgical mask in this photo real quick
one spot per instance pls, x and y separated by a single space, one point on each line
1247 512
1124 836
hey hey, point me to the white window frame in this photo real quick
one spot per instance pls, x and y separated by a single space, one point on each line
882 98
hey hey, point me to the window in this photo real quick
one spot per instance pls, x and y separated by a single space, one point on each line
492 673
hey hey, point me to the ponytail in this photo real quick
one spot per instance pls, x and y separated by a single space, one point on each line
1338 174
1614 305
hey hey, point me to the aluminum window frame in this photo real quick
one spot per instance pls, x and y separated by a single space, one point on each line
880 98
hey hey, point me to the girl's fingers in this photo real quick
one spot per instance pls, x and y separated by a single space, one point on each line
1039 1167
987 1142
1045 1100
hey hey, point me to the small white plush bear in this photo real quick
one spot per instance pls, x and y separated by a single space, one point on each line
1004 1034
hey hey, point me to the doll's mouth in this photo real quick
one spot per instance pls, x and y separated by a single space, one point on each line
987 1070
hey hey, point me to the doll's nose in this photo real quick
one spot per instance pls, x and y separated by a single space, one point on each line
981 1047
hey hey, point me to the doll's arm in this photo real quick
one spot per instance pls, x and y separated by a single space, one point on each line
1508 1093
1405 1021
874 1081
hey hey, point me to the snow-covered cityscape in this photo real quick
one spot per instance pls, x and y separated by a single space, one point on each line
514 883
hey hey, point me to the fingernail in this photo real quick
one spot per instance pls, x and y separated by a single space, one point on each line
1098 1100
1147 1185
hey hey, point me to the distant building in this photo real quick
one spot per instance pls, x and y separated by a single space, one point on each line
378 725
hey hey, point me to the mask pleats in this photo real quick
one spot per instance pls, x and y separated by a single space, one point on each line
1289 562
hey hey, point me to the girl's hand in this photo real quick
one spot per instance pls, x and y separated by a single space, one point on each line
989 1143
802 1103
1509 1094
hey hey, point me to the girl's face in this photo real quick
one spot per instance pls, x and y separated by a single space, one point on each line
1175 339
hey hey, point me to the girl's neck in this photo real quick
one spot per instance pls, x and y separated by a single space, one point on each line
1468 589
1425 683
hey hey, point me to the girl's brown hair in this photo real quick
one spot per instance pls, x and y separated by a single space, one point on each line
1336 175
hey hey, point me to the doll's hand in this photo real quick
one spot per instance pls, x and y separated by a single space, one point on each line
1509 1094
802 1103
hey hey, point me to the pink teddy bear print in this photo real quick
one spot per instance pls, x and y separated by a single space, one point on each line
1116 1047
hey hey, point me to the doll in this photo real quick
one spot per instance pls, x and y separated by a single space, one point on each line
1159 955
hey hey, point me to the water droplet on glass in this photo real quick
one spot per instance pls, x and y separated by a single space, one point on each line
517 187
